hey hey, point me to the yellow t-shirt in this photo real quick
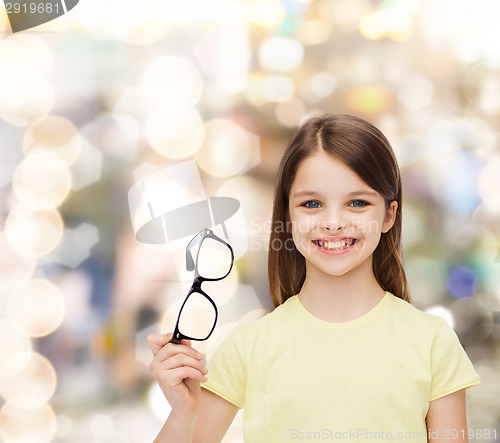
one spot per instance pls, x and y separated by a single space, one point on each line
300 378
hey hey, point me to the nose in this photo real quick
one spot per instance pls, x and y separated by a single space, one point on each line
332 226
335 221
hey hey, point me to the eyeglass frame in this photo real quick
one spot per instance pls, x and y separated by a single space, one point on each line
192 265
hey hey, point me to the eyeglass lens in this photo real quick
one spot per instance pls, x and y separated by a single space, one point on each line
197 317
214 259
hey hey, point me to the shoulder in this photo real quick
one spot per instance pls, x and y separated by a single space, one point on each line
422 333
413 318
411 312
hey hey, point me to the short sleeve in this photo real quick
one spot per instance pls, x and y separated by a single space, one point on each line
452 369
227 370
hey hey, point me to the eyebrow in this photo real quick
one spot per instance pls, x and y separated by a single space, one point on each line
305 194
366 192
363 192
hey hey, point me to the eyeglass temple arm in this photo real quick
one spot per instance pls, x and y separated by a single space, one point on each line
189 256
189 261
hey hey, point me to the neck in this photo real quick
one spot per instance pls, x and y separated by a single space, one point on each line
340 298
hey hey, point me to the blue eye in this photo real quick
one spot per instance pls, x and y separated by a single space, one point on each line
358 204
311 204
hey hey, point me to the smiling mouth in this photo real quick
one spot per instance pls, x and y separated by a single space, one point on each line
336 245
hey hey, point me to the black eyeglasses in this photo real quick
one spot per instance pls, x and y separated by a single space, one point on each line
214 261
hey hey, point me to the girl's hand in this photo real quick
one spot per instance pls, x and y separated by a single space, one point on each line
178 370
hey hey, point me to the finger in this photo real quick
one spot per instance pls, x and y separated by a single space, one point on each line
174 377
157 341
186 372
180 360
170 349
186 342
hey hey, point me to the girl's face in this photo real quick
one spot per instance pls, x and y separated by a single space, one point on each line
336 218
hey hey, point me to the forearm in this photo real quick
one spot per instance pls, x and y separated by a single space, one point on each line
446 419
176 430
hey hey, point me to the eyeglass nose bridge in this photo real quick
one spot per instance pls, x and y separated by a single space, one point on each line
196 285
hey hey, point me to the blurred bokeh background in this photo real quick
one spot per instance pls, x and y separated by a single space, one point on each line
102 98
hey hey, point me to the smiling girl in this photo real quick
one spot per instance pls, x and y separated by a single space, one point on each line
345 355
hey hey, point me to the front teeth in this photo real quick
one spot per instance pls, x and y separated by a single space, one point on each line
339 244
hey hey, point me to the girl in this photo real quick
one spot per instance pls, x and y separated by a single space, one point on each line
345 355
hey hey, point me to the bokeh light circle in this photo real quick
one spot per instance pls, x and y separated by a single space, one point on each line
13 339
488 216
118 134
172 79
33 102
41 181
254 197
137 26
479 89
479 333
14 267
35 378
54 135
276 88
250 230
37 306
280 54
370 99
16 67
391 21
175 131
462 281
469 314
266 12
33 233
320 85
315 32
39 52
473 244
228 149
20 421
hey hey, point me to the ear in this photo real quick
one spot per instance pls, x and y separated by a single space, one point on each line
390 216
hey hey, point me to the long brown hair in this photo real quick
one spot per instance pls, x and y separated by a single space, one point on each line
364 149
